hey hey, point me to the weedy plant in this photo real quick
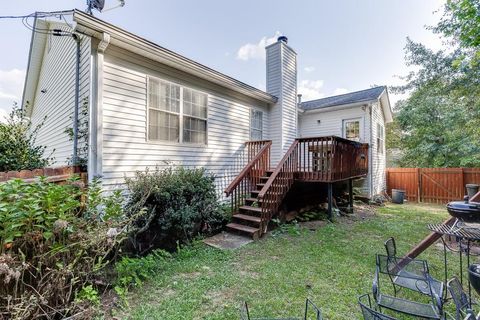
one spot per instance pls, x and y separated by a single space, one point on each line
54 246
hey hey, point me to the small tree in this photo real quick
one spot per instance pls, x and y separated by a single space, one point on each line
18 150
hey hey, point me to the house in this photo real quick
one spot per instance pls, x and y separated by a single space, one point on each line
144 106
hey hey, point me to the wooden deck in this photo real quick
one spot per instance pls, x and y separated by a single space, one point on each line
258 191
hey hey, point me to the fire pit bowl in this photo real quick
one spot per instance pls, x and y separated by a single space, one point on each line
474 276
464 210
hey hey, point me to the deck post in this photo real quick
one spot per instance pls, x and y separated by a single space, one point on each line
350 195
330 201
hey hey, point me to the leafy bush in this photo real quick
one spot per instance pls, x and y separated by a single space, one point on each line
18 150
54 246
180 203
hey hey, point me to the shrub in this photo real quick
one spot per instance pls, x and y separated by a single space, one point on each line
18 150
54 247
180 203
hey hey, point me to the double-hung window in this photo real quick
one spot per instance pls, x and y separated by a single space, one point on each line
380 138
176 113
163 111
194 116
256 125
352 129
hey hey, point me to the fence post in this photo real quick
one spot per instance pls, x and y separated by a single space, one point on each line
462 179
419 184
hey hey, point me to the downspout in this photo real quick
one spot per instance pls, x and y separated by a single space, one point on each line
77 100
96 114
370 160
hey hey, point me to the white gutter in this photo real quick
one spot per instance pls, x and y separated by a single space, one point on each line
131 42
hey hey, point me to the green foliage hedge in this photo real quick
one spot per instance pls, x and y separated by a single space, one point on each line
180 203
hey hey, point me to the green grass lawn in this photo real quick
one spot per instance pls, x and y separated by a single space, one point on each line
332 265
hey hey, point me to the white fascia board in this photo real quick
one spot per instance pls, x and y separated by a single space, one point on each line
337 107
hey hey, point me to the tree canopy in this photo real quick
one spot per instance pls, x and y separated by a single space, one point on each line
18 150
439 124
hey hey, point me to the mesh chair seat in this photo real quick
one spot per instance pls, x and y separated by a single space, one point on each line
407 280
418 309
405 271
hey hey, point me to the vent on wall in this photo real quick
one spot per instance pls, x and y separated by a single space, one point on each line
319 121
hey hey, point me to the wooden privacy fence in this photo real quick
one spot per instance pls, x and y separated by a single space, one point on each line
433 185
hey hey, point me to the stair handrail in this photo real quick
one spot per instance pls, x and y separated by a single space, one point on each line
267 198
248 167
250 175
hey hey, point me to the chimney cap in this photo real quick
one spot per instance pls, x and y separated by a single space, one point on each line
282 39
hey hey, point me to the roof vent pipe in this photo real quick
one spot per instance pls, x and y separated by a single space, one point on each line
282 39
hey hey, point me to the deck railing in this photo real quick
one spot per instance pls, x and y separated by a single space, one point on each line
247 179
331 159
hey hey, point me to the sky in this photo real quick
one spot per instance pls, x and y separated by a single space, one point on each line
342 45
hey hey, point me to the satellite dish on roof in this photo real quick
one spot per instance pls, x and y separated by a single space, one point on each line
100 4
95 4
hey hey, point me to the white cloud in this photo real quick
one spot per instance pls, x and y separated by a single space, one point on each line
11 87
309 69
256 50
340 91
311 89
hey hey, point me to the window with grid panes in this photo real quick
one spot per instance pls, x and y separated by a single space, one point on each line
256 125
194 116
175 113
163 111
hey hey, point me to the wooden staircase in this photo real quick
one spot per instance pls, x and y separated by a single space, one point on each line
248 219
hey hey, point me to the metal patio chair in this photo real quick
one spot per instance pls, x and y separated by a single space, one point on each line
310 310
402 279
412 273
459 297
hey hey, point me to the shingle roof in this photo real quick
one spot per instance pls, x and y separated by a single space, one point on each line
347 98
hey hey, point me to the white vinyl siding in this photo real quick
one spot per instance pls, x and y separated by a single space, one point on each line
331 123
55 105
125 149
377 153
256 125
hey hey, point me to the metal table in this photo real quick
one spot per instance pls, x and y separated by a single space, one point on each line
462 233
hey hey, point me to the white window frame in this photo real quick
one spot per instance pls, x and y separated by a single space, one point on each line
252 110
380 138
360 129
180 114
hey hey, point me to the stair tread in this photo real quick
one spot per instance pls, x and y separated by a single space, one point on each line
247 217
257 209
254 199
241 227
